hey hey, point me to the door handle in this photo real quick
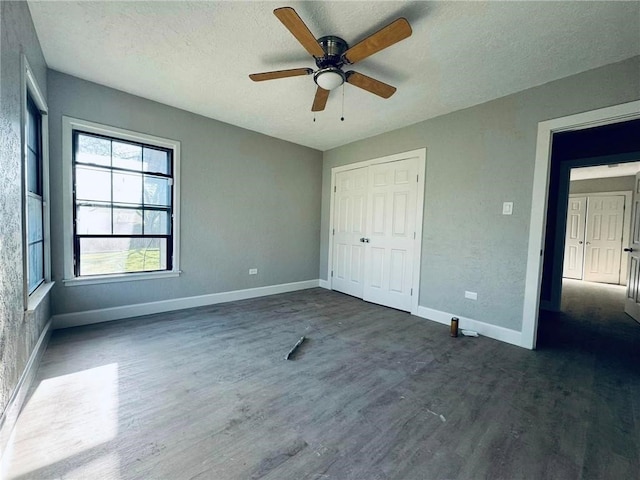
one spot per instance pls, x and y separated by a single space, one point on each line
364 240
580 242
628 249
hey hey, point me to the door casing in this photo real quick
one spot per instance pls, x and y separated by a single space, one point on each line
421 154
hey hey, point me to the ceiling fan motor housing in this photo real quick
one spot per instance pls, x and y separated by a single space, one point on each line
334 47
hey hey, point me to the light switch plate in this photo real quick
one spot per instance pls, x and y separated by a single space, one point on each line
507 208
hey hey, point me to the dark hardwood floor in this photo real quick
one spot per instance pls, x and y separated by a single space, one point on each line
372 393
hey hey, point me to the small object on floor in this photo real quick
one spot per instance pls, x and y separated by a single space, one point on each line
454 326
295 347
469 333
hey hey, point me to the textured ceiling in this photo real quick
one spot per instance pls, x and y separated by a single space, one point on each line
197 56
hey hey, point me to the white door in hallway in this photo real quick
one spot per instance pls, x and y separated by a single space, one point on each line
374 229
603 239
574 238
632 302
349 228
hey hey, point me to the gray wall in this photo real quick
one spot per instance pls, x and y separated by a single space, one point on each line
596 185
19 332
247 200
478 158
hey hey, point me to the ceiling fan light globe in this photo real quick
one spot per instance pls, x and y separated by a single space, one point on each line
329 79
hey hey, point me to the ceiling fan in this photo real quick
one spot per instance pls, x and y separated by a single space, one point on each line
331 53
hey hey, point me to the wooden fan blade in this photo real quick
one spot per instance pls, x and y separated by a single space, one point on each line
293 72
297 27
370 84
394 32
320 101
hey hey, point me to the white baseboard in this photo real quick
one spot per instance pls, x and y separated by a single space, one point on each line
88 317
507 335
325 284
11 412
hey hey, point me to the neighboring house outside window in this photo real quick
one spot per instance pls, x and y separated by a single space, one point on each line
124 203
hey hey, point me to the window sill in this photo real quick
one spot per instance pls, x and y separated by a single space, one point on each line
123 277
36 298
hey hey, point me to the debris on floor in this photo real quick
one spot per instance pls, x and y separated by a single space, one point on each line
295 347
469 333
441 417
454 326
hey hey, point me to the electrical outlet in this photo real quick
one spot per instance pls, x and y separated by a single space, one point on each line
253 271
471 295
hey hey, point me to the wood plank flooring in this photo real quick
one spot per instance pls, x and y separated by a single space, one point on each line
373 393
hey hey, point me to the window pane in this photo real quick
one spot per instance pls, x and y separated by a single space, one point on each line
33 172
93 184
33 125
156 222
156 161
93 150
34 219
93 220
157 191
99 256
127 221
34 215
127 188
36 265
127 155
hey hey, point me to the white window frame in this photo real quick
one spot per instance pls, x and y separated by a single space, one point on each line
69 125
30 87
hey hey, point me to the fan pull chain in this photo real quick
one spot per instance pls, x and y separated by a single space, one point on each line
342 117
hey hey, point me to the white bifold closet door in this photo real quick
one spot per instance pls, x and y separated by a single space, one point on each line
374 232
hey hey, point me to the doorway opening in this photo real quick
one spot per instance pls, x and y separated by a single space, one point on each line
590 317
588 231
597 148
595 259
558 150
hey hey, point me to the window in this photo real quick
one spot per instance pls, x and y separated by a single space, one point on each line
123 199
34 194
35 214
